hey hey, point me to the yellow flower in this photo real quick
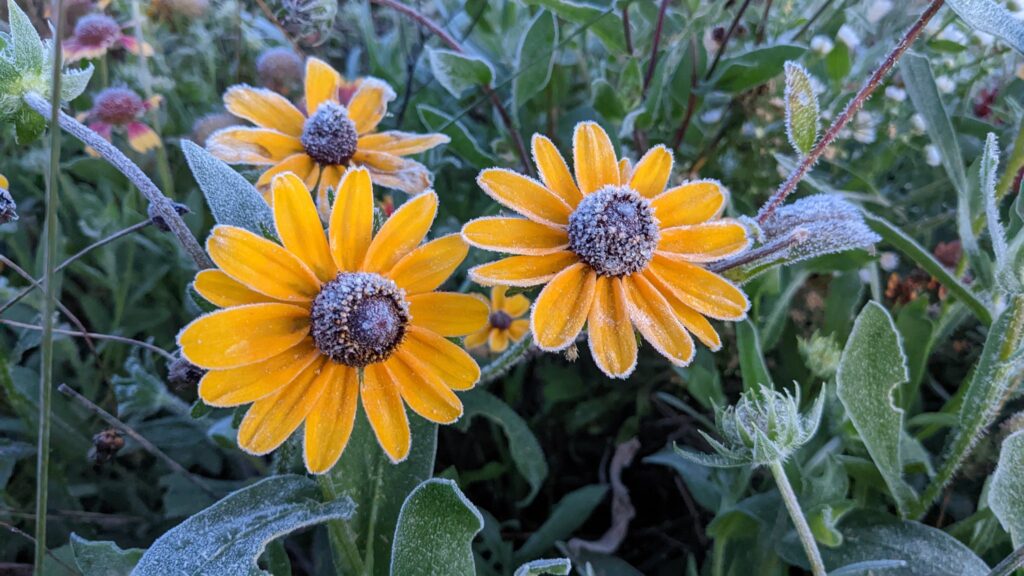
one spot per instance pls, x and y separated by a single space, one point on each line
303 318
614 249
3 182
324 136
503 322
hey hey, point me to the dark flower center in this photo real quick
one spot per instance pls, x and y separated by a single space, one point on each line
500 319
117 106
329 136
359 319
97 30
614 231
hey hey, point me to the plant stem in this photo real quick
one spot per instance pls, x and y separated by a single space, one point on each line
163 164
802 528
112 337
49 299
506 361
725 40
343 540
1012 562
371 529
655 43
847 114
162 204
33 283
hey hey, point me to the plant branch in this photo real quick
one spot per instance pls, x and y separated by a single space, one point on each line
506 361
725 41
36 284
655 44
847 114
96 335
802 528
163 206
1009 564
627 32
814 17
29 537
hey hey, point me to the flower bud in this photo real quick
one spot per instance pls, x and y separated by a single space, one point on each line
105 445
204 127
280 69
821 354
182 374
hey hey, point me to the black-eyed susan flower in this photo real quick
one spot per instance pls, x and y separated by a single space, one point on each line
324 136
313 325
122 108
504 322
8 209
96 34
614 249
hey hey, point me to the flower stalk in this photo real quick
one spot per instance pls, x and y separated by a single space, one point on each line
803 529
343 540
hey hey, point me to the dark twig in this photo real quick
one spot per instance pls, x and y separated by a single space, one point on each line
814 17
36 284
1009 564
655 44
762 26
146 444
626 29
725 41
847 114
96 335
29 537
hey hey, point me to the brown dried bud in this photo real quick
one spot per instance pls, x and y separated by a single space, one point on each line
207 125
105 445
8 209
948 253
182 374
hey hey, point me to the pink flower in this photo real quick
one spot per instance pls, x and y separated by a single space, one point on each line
123 108
95 34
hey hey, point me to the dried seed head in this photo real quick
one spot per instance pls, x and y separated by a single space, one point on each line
329 136
614 231
97 30
105 445
117 106
8 209
500 319
359 318
182 374
279 69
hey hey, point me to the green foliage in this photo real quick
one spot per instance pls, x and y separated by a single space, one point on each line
801 108
232 200
435 531
1005 497
458 72
103 558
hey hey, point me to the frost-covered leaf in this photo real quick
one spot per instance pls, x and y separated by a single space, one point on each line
74 81
993 18
232 199
867 568
920 82
526 452
435 532
801 108
872 367
459 72
555 567
535 58
28 126
462 142
103 558
604 23
27 46
567 516
1006 493
228 537
987 175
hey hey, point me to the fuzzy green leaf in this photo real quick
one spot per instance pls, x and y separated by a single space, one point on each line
1006 493
103 558
459 72
752 366
605 24
74 82
993 18
568 515
462 142
232 199
29 55
535 58
435 532
555 567
873 365
801 108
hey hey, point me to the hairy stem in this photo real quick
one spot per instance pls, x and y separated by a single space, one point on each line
1009 564
162 204
506 361
852 107
339 532
803 530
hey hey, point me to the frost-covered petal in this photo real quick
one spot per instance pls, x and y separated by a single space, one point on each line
652 172
264 108
383 405
252 145
330 422
369 104
693 321
250 383
270 421
448 313
401 143
705 242
515 236
321 84
523 270
690 203
351 222
298 226
243 335
224 291
653 317
261 264
704 291
609 331
452 364
562 307
594 158
427 267
422 389
497 340
524 195
402 232
301 164
554 172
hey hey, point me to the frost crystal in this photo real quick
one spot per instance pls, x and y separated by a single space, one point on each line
330 136
614 231
359 318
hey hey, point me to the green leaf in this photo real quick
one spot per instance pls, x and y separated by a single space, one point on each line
987 175
555 567
378 487
74 82
28 126
228 537
29 55
526 452
754 67
459 72
568 515
535 58
462 142
838 62
752 366
872 367
103 558
604 23
435 532
232 199
1006 493
988 16
801 108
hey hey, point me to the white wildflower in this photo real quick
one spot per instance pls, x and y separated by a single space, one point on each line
822 45
848 36
932 157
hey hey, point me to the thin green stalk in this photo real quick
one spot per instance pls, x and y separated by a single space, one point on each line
507 360
802 528
49 300
343 540
371 529
163 164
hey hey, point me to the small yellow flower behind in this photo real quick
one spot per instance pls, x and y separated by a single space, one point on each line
614 250
503 323
302 320
333 129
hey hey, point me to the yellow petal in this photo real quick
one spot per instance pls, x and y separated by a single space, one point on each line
264 108
422 389
401 143
427 267
351 225
516 306
704 291
329 178
477 339
448 313
142 138
224 291
593 158
554 173
523 270
652 172
524 195
301 164
243 335
252 145
705 242
562 307
261 264
271 420
452 364
385 411
298 226
411 178
321 84
497 341
382 161
653 317
625 170
692 320
518 329
498 297
369 104
4 183
250 383
329 424
402 232
609 331
515 236
690 203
